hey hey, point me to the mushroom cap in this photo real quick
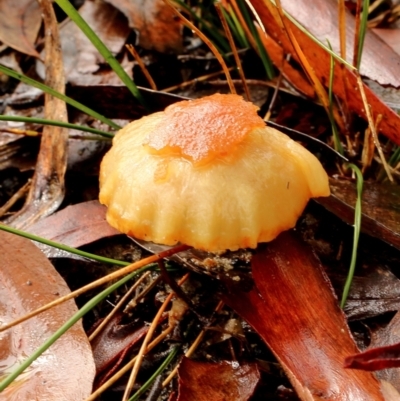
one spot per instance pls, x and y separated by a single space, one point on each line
207 173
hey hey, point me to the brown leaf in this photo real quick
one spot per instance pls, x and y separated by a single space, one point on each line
375 358
28 281
81 59
114 341
155 23
295 311
19 24
76 225
391 37
323 25
380 214
223 381
383 337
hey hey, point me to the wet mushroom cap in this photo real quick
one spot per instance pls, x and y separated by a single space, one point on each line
207 173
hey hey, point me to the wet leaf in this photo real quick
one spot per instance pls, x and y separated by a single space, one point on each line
28 281
223 381
75 226
113 342
387 336
380 208
323 25
295 311
19 24
155 23
376 358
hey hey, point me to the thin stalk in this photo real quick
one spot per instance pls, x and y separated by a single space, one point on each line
159 370
62 246
43 121
313 38
357 228
221 43
72 13
36 84
269 68
210 45
66 326
336 139
362 32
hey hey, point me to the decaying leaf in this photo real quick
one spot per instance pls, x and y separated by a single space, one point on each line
154 22
19 24
27 281
81 59
381 214
319 59
223 381
75 226
295 311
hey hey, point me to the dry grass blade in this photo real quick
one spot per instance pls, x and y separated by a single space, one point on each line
319 88
142 66
47 189
149 334
17 196
119 273
234 49
192 348
342 28
129 365
373 127
118 306
204 38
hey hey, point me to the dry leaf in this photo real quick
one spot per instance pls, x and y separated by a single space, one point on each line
223 381
155 23
19 24
28 281
325 13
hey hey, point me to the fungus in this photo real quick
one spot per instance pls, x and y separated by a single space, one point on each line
207 173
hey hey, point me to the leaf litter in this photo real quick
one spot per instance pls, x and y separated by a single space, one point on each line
231 348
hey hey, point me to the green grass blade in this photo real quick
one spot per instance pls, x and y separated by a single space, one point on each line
43 121
336 139
357 228
63 247
36 84
85 309
159 370
363 31
72 13
219 41
269 68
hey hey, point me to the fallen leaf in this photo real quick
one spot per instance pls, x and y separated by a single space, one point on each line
19 25
223 381
386 336
155 23
76 225
375 358
380 211
27 281
81 59
390 36
293 308
113 343
323 26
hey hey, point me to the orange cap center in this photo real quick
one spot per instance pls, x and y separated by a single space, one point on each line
202 129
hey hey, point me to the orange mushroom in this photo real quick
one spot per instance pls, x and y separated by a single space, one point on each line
207 173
